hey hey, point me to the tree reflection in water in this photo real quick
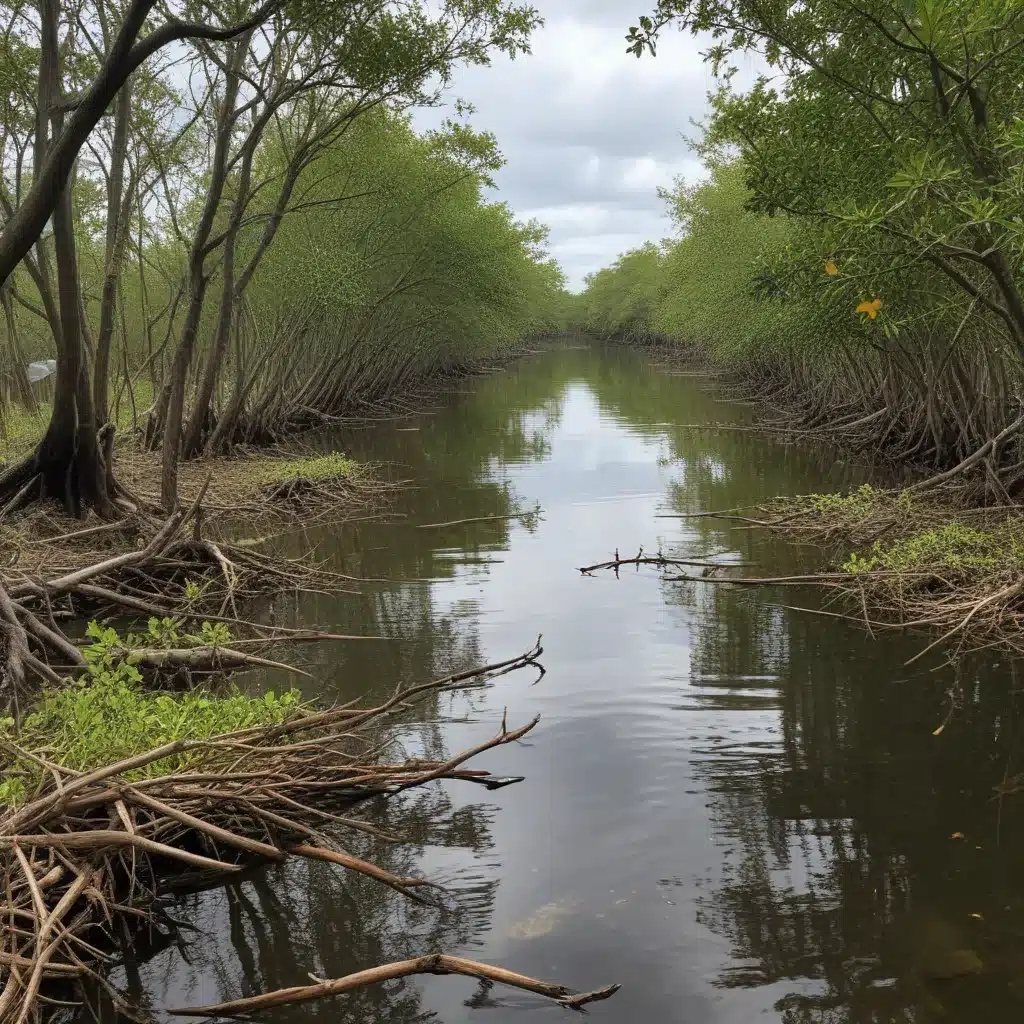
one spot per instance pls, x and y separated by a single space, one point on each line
838 887
842 886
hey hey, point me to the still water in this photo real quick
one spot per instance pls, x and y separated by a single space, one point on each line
736 809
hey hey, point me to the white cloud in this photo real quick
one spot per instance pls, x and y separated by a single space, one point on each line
589 131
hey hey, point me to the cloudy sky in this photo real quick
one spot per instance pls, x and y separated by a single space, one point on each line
588 130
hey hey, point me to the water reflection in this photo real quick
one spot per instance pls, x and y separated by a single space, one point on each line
733 808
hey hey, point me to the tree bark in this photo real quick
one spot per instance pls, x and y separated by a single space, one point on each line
118 200
68 462
198 279
202 407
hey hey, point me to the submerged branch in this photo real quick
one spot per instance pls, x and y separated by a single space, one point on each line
435 963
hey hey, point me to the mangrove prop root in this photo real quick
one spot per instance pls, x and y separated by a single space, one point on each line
85 838
435 963
153 580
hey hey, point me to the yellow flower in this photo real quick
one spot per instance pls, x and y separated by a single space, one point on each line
830 268
871 308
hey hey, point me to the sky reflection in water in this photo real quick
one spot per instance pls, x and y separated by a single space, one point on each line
734 809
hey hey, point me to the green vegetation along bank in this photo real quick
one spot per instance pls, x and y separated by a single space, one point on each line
854 256
253 238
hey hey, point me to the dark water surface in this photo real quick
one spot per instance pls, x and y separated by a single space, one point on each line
737 810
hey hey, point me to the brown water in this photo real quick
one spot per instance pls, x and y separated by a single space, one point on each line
735 809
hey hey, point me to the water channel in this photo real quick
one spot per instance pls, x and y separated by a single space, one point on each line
736 809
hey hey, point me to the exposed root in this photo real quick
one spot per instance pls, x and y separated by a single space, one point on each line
88 842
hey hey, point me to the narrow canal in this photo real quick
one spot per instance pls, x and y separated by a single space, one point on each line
736 809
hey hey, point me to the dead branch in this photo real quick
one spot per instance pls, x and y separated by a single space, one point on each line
435 963
659 560
532 514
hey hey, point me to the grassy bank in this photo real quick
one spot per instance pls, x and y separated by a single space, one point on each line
917 559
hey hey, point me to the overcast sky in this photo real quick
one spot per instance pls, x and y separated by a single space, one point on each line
588 130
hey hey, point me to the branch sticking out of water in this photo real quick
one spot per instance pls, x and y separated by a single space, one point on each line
435 963
529 519
659 560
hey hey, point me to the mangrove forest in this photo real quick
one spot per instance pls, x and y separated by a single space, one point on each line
433 586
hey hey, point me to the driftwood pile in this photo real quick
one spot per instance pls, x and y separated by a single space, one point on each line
89 847
177 573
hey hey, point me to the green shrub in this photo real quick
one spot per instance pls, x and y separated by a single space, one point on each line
329 466
856 506
952 547
106 715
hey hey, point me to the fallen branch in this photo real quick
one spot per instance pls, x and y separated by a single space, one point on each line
435 963
659 560
480 519
84 837
206 659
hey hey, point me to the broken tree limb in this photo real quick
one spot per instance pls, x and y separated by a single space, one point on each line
435 963
206 659
399 883
659 560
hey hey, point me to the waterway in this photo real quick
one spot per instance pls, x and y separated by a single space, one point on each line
738 810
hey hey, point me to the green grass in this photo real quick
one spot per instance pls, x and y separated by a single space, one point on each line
953 548
859 505
22 428
316 468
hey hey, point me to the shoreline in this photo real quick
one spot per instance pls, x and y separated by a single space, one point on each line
291 481
925 554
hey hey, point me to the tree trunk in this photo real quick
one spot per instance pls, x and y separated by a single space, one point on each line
68 463
118 200
198 280
202 407
19 372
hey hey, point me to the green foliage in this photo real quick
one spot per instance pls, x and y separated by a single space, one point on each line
109 652
890 130
106 716
719 285
858 247
851 508
951 548
329 466
623 298
406 261
383 259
